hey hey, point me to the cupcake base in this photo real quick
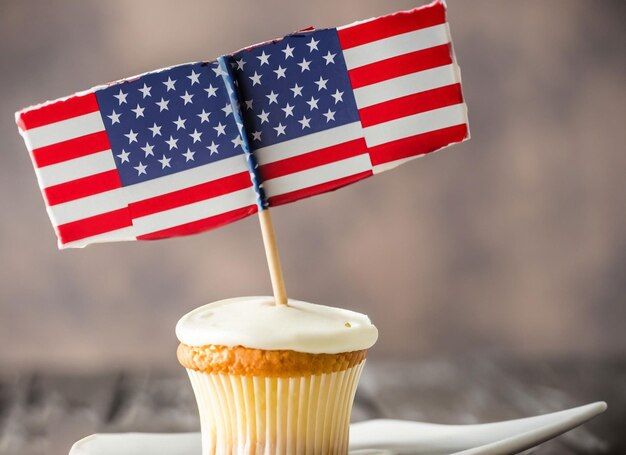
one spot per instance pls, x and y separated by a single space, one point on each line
307 414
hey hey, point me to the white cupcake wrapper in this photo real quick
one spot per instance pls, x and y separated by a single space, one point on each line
272 416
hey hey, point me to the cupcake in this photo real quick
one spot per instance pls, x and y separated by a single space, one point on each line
274 379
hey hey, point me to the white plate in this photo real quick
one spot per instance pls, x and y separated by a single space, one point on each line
389 437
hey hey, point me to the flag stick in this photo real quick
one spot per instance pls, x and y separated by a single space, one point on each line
273 259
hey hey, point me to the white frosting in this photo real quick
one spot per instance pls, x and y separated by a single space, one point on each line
256 322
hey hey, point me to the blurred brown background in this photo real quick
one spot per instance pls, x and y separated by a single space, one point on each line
513 241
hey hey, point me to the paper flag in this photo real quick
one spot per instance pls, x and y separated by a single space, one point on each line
196 146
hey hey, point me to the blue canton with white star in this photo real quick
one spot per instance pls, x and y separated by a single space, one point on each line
293 87
169 121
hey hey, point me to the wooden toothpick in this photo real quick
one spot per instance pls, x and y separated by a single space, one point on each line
273 259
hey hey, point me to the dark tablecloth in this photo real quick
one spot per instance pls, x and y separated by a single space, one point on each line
45 413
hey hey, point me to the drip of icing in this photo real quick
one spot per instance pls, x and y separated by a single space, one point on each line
256 322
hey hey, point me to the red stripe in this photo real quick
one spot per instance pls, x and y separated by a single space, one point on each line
57 111
417 145
393 24
196 227
313 159
401 65
99 224
316 189
190 195
70 149
82 187
411 104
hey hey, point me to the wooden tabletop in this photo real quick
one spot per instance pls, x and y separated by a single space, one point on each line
45 414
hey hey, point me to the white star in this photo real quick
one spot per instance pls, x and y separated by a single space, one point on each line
186 98
124 156
189 155
330 58
297 90
288 50
304 65
338 96
221 129
256 79
121 97
141 169
330 115
169 83
204 116
211 90
249 104
163 105
155 130
280 72
313 44
305 122
213 148
227 109
138 111
312 103
264 116
145 90
288 109
194 77
165 162
240 63
273 97
196 135
180 123
172 143
321 84
148 149
115 118
237 142
280 129
219 71
256 136
264 58
132 136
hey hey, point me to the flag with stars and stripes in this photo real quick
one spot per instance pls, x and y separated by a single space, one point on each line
150 157
196 146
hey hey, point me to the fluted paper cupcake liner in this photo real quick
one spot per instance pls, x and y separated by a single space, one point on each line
275 415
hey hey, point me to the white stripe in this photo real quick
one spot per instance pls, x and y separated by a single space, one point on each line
317 175
63 130
86 207
121 197
185 179
406 85
393 164
194 212
75 169
119 235
309 143
396 45
416 124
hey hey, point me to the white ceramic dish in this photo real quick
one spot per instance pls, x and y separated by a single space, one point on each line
388 437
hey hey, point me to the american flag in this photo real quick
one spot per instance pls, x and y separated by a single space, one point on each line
151 157
326 108
175 152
